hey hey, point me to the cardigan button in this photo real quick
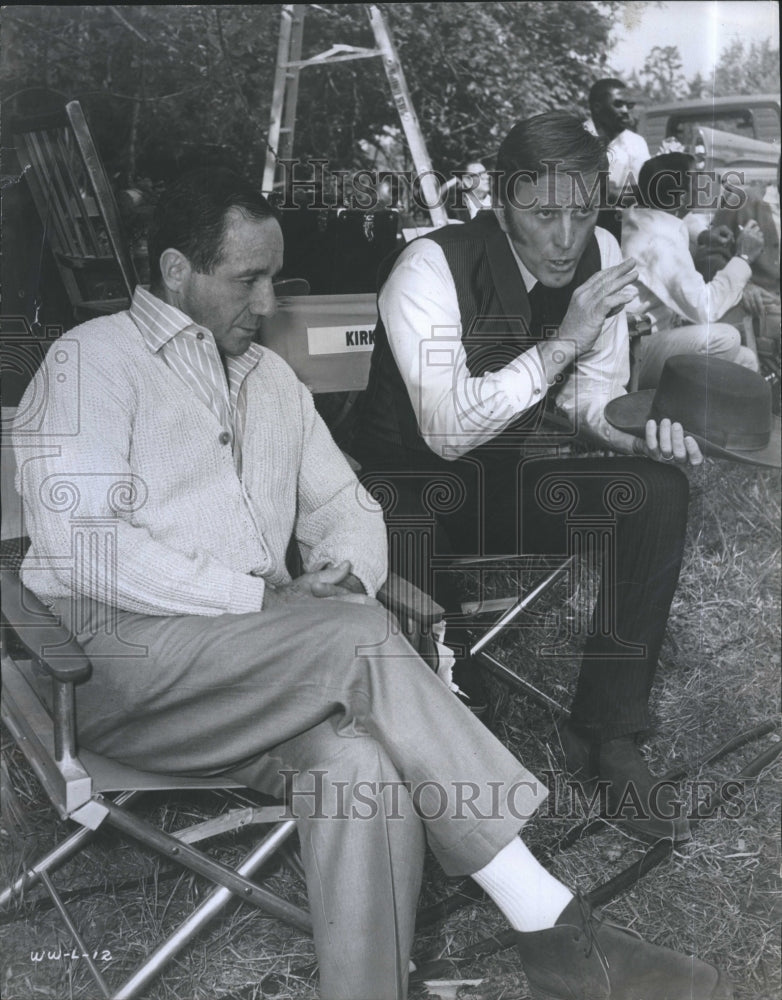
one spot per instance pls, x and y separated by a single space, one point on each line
200 335
225 438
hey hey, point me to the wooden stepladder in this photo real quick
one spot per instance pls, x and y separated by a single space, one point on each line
285 95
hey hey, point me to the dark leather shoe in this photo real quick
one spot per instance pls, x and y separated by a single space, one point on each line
586 958
646 805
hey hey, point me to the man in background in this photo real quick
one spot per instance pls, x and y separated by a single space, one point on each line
476 184
610 108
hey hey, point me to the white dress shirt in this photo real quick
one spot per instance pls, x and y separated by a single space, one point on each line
627 152
458 412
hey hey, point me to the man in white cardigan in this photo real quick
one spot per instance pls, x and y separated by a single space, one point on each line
166 460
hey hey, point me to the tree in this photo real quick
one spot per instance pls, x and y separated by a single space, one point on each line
698 87
747 71
154 80
662 74
159 81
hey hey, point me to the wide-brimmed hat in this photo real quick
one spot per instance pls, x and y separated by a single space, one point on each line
725 407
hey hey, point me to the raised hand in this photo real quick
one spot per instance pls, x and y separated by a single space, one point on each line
750 241
601 295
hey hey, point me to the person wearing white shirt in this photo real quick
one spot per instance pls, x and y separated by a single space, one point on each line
684 309
489 332
610 106
475 183
610 119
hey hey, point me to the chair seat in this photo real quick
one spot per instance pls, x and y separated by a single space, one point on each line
111 776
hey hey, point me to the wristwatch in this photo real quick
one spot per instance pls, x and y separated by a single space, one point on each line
743 256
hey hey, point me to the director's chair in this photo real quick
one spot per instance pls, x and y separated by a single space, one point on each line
91 790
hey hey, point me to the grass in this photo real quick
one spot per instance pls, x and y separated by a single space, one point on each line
718 896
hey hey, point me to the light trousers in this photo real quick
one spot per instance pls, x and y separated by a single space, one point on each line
325 702
719 340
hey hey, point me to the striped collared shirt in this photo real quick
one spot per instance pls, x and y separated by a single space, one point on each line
191 353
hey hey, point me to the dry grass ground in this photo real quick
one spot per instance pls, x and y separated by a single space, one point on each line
718 896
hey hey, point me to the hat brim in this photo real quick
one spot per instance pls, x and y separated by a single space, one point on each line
629 413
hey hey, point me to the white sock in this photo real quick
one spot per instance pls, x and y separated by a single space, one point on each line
530 898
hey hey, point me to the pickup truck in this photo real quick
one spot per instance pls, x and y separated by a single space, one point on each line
739 133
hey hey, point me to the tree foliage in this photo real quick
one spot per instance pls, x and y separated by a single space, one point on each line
751 70
740 69
162 82
662 75
158 81
154 80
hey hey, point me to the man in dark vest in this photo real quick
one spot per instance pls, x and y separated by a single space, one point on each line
487 330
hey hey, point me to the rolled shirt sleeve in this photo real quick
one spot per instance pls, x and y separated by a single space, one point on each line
661 247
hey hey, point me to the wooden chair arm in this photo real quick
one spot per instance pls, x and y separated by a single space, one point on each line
37 629
406 601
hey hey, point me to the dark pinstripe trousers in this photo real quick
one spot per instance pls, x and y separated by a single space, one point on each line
628 516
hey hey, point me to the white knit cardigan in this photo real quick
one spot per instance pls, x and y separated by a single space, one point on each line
131 496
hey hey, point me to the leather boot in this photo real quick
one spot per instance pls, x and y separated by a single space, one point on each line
584 957
644 804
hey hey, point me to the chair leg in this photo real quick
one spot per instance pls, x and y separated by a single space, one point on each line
210 907
57 857
201 863
518 683
521 605
49 863
68 921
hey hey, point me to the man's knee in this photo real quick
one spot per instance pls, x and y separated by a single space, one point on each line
723 339
368 626
356 780
747 358
666 485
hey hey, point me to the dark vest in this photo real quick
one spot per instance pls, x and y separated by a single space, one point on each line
499 322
